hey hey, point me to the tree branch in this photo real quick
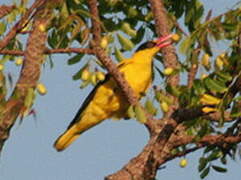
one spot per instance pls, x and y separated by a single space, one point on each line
4 10
30 72
95 19
50 51
163 29
187 114
208 140
146 164
20 24
102 56
70 50
221 140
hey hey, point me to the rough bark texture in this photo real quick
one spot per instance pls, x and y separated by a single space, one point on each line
30 73
102 56
169 132
21 23
50 51
4 10
146 164
163 29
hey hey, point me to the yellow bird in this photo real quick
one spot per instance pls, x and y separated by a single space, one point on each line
106 99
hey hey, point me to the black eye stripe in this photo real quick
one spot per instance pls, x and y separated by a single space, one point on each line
150 44
146 45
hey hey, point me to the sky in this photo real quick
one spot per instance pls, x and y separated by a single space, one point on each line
29 153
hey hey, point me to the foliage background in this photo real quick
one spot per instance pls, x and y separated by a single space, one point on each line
28 154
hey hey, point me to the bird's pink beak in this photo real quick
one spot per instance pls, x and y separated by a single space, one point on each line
164 41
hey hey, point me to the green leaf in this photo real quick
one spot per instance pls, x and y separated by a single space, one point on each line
131 112
150 107
63 42
75 59
223 76
173 90
77 75
208 149
236 114
53 39
51 62
126 27
119 56
2 28
198 13
64 10
185 45
215 85
229 26
139 36
125 43
28 101
214 155
205 173
199 87
223 160
140 114
132 12
202 163
84 84
219 169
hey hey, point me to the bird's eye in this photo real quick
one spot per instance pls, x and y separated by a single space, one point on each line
150 45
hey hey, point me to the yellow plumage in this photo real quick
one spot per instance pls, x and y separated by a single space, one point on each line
106 100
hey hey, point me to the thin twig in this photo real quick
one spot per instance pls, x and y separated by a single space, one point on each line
20 24
5 10
50 51
105 59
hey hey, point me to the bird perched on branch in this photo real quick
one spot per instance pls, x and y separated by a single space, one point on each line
106 99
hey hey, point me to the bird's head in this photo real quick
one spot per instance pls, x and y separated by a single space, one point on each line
154 46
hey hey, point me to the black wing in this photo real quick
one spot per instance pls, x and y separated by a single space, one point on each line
87 101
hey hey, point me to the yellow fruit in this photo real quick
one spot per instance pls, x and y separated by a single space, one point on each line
194 66
183 163
100 76
93 79
168 71
222 55
85 75
164 106
19 61
104 42
175 37
41 89
205 60
209 100
209 109
219 62
1 67
42 27
203 76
